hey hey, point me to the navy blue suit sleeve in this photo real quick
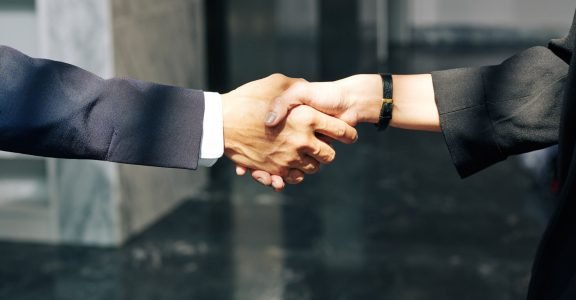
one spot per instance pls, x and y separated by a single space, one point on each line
54 109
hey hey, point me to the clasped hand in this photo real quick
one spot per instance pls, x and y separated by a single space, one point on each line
302 117
293 146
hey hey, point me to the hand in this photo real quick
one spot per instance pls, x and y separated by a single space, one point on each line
290 148
277 182
359 99
354 99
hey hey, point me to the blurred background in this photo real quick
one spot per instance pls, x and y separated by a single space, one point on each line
390 219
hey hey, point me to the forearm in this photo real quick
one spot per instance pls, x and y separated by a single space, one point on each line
413 96
49 108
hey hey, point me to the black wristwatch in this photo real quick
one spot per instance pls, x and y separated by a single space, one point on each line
387 102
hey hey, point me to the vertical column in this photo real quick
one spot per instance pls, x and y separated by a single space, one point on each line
339 30
382 28
216 13
86 205
297 34
103 203
399 22
252 30
158 41
77 32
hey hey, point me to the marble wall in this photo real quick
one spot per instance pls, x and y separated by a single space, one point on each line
99 203
160 41
77 32
87 192
19 14
88 203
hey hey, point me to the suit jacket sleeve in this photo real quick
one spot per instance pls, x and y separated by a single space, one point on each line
53 109
489 113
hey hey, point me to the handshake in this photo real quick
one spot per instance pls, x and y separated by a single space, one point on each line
281 129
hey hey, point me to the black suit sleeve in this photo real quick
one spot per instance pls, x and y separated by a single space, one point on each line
53 109
489 113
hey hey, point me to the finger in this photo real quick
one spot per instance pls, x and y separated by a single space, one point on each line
307 165
321 152
240 171
296 95
295 176
263 177
278 183
335 129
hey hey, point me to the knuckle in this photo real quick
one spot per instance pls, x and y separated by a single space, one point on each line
320 124
316 151
295 177
303 115
300 142
277 76
284 82
312 169
340 132
299 86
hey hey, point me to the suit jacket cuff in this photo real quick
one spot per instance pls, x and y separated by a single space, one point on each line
465 121
489 113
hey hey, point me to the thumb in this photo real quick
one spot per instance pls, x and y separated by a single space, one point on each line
292 97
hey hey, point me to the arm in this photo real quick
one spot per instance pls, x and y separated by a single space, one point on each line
414 105
53 109
50 108
485 114
490 113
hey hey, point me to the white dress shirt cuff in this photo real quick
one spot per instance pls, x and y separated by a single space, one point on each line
213 132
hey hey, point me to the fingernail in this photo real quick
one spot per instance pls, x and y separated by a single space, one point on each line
270 118
260 179
356 139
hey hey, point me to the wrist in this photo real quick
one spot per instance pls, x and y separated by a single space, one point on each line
364 93
414 103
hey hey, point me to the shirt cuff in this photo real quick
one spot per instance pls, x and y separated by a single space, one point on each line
212 147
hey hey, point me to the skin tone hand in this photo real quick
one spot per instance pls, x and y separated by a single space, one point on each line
288 150
358 99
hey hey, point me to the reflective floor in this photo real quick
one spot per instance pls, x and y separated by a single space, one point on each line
389 219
